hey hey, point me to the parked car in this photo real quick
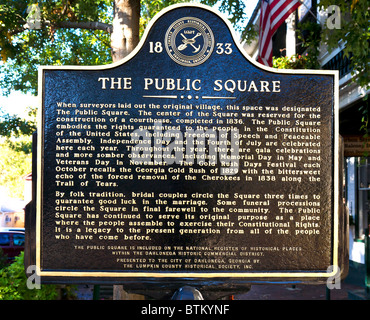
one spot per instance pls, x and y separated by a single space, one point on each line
12 243
12 229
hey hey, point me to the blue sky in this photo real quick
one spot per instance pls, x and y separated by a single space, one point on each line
17 103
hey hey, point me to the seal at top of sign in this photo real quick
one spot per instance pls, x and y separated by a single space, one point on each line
189 41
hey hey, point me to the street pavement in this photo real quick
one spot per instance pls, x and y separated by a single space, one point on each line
351 288
347 291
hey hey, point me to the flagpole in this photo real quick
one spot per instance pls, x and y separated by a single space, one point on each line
309 10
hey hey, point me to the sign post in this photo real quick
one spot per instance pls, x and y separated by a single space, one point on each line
187 162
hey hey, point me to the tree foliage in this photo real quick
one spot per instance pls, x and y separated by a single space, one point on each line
64 32
15 162
15 126
77 32
354 31
74 32
65 35
13 284
351 30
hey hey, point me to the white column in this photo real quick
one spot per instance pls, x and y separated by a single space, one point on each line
290 35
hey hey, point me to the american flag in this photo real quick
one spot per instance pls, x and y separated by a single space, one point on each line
273 14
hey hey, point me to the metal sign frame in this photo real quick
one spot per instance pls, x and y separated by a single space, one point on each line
98 276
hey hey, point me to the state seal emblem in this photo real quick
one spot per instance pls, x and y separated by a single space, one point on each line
189 41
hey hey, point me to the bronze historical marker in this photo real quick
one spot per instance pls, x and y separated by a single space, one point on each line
187 160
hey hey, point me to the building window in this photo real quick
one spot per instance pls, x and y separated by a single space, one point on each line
363 194
358 194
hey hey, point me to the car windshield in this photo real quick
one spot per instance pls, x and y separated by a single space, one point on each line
4 239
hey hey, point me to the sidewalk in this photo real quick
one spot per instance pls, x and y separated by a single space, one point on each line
347 291
299 292
351 288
